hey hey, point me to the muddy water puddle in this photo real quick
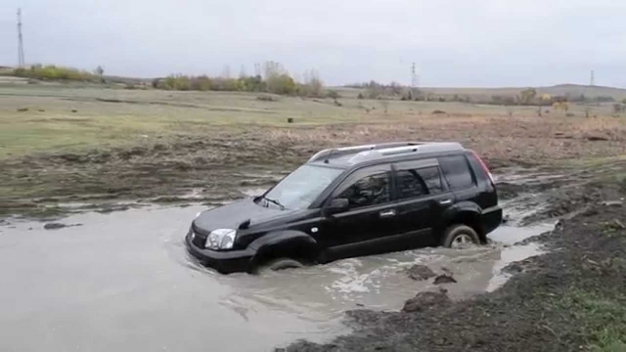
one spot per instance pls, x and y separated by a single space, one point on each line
123 281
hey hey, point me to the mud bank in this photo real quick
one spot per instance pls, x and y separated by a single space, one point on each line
212 165
571 298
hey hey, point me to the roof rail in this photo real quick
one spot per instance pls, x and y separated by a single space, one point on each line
399 150
424 148
326 153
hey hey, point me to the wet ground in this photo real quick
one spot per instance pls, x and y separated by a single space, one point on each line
123 281
571 298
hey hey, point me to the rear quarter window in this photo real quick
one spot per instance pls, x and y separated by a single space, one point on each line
413 183
456 171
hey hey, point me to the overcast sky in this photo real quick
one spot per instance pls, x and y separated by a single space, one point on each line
453 42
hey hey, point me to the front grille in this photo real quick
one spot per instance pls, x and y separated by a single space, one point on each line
199 238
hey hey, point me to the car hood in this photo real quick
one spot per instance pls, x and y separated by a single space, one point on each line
232 215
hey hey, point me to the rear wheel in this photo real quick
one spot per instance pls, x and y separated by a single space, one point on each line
460 236
280 264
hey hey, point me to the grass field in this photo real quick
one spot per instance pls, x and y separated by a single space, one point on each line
64 117
84 143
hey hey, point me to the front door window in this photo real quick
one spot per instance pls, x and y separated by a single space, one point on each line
369 190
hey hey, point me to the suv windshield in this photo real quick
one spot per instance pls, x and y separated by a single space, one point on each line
302 187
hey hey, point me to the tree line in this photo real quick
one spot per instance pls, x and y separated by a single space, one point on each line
273 78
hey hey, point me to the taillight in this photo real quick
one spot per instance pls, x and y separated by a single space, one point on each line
484 166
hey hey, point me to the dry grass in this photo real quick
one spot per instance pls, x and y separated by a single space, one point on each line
69 118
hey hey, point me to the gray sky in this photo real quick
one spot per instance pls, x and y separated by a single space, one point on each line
453 42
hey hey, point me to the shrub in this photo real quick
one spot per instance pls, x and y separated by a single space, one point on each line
54 73
266 97
502 100
201 83
253 83
313 85
281 84
333 94
276 81
175 82
604 99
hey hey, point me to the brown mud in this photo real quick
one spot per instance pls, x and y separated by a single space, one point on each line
553 300
211 167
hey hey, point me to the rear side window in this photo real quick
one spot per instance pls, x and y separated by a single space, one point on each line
418 182
457 172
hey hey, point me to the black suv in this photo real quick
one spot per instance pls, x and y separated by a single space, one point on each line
354 201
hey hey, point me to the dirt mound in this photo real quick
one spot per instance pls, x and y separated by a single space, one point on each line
425 301
420 272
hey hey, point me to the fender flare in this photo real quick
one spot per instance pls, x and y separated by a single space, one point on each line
462 210
282 240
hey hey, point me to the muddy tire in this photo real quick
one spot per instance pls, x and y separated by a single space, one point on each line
459 236
280 264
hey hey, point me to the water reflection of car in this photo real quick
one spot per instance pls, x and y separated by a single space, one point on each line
351 202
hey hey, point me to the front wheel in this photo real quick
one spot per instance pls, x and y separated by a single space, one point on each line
280 264
460 236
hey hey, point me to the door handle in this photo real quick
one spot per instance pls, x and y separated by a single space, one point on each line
445 202
388 213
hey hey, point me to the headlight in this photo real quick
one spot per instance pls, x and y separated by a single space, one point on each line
221 239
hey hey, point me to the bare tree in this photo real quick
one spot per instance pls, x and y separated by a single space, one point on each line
313 84
226 72
100 72
242 72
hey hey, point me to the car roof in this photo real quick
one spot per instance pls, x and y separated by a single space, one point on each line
349 157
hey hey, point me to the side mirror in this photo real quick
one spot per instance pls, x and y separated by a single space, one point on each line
337 205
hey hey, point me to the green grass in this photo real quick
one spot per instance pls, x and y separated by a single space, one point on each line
137 115
601 318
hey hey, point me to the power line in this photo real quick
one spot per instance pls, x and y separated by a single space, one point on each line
21 61
414 77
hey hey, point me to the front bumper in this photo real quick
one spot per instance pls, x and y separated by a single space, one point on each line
225 262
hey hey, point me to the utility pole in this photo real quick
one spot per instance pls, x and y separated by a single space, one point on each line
21 61
592 81
414 77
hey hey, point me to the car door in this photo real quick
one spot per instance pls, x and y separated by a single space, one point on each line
422 197
369 218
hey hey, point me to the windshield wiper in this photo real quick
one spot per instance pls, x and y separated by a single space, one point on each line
274 201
